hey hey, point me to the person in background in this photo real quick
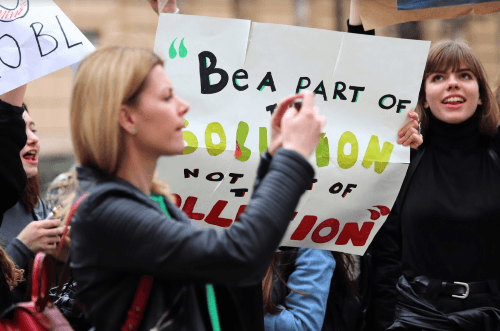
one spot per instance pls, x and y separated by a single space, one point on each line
26 228
12 179
441 235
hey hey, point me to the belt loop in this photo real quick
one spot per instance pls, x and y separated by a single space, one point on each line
433 289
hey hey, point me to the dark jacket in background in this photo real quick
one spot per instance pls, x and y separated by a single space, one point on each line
12 175
12 140
119 234
14 221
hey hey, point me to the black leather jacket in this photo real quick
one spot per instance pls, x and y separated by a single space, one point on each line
120 234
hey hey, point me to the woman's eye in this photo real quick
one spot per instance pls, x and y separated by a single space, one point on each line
466 75
437 78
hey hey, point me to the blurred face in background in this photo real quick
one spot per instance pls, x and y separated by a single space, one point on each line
29 154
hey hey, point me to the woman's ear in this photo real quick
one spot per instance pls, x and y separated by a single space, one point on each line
479 102
426 105
127 119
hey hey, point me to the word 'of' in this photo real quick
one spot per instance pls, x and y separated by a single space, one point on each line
218 176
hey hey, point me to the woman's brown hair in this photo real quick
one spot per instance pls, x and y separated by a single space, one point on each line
12 274
451 54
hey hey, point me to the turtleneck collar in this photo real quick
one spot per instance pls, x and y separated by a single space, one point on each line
454 136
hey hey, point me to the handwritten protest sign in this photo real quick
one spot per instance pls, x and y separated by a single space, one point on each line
422 4
364 86
378 13
36 38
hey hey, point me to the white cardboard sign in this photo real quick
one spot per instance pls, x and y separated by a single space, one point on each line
36 38
232 73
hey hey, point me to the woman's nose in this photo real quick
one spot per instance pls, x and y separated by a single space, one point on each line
32 138
184 106
453 83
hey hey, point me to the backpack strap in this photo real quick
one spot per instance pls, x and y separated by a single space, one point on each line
134 314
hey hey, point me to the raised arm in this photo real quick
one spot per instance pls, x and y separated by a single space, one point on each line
354 23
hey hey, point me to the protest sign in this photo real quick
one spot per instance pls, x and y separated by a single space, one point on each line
378 13
364 86
422 4
36 38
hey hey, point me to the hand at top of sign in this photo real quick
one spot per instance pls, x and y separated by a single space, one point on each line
410 134
298 130
170 6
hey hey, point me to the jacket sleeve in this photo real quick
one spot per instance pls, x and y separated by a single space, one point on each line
386 267
118 232
12 140
312 276
20 254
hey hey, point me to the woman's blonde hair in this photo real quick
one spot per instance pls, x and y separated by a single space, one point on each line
451 54
106 79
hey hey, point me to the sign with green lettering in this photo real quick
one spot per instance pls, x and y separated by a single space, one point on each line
233 73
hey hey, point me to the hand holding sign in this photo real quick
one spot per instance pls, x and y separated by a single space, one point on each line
302 129
163 6
409 134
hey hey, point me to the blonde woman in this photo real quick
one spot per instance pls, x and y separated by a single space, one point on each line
124 116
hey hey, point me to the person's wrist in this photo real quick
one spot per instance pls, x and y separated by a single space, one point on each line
300 151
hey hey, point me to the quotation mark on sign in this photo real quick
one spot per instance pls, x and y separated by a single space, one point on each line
375 215
172 52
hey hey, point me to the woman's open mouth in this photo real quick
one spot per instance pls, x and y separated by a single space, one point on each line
454 102
30 157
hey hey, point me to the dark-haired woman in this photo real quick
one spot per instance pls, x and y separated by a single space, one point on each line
442 232
12 178
25 228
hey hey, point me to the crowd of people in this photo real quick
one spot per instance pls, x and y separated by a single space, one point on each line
430 267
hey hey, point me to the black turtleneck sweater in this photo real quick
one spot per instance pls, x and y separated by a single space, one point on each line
450 218
446 225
